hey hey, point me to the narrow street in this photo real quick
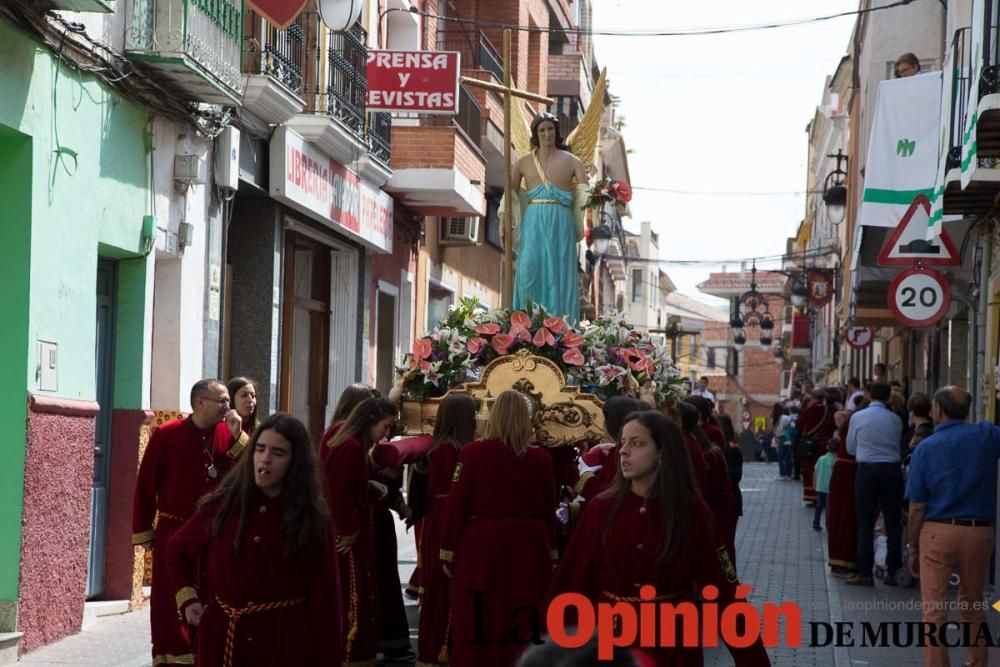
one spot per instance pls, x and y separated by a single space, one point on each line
777 552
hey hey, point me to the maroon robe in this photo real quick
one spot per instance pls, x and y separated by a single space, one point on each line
279 609
435 603
499 534
815 424
718 491
611 566
841 520
393 627
173 475
345 468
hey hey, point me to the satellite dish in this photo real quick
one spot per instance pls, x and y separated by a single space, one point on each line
339 15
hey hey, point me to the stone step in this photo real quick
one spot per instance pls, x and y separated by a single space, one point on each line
8 647
94 611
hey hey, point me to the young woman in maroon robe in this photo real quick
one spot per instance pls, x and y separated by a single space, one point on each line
841 521
718 490
349 399
349 490
243 394
652 528
455 426
499 536
815 426
255 568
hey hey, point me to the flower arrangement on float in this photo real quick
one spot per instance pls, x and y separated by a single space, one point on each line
607 190
606 357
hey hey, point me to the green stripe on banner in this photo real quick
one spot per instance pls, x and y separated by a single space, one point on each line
968 158
901 197
972 124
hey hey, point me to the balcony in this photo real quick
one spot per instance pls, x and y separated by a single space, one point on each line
335 86
273 61
976 198
477 51
197 44
103 6
438 166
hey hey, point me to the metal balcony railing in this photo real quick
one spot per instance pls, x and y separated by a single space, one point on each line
477 51
469 117
961 60
379 135
347 88
280 54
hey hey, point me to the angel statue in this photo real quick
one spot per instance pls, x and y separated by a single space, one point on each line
548 213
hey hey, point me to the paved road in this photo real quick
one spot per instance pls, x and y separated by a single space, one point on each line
777 552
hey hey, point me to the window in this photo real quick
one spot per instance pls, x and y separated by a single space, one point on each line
710 357
439 300
732 362
493 222
637 286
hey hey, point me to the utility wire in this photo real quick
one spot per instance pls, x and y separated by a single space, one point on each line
726 193
666 32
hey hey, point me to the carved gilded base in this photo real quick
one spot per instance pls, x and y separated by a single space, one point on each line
561 415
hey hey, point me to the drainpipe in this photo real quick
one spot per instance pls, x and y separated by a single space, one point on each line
979 369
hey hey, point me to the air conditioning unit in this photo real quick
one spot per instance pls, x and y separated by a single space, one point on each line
458 231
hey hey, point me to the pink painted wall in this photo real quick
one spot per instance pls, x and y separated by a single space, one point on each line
120 554
58 474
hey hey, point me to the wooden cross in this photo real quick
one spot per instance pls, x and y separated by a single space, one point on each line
509 92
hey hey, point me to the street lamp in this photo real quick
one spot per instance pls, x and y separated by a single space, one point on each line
835 191
751 309
800 293
739 340
339 15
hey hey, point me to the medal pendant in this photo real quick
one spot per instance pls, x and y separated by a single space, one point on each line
212 471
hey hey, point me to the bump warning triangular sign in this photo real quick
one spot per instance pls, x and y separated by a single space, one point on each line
907 244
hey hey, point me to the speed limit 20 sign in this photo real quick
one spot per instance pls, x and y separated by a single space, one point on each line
919 297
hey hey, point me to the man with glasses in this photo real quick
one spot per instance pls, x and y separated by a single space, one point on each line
184 460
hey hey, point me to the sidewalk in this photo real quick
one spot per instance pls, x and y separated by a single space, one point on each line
777 552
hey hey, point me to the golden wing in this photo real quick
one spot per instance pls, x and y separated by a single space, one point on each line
582 141
520 130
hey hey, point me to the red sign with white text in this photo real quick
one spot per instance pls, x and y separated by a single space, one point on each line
413 81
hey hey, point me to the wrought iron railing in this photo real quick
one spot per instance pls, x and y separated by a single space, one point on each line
379 138
569 111
477 51
347 85
207 32
469 117
961 63
280 54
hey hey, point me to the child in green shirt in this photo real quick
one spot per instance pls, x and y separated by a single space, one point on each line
822 473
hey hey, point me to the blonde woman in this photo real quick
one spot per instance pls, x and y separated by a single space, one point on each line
499 536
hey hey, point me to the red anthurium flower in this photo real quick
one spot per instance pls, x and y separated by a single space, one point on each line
624 191
488 329
544 337
555 324
573 357
519 318
475 345
422 348
502 342
572 339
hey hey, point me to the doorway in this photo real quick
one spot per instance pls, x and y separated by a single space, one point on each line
107 288
385 341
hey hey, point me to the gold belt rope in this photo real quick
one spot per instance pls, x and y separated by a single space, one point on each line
627 598
167 515
235 614
545 201
352 609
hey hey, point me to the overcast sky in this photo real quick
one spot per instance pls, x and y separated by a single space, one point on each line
721 113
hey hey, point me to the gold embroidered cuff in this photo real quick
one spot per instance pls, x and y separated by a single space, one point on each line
582 482
241 444
447 555
142 538
347 540
575 510
185 595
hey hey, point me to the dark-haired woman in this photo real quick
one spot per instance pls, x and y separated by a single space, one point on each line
841 518
243 394
734 465
815 426
349 399
718 492
455 426
350 490
652 528
499 532
255 568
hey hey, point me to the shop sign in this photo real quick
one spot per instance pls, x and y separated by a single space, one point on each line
413 81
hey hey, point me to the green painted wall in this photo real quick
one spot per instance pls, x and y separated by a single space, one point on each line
77 189
15 239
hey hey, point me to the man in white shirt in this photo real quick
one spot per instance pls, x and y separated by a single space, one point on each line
853 391
701 389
